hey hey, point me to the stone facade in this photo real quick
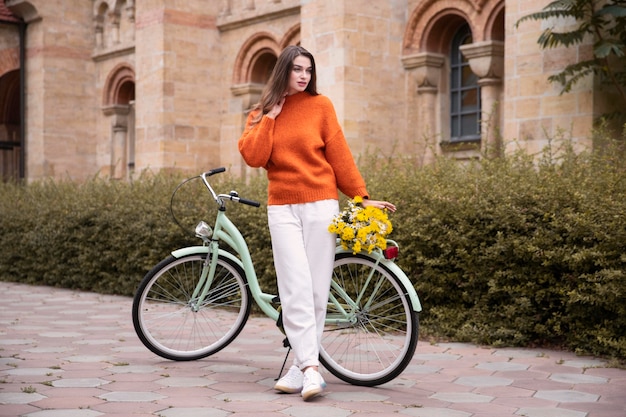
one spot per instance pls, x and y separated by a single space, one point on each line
117 86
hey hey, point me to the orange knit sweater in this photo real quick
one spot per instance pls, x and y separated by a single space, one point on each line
304 152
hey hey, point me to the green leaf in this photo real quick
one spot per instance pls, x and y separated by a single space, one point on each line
607 47
612 10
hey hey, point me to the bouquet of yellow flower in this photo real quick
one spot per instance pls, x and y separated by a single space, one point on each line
361 228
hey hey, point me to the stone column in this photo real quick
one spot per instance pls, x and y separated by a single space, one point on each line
427 67
355 48
119 138
486 60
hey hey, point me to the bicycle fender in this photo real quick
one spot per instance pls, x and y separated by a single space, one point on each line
191 250
393 267
398 272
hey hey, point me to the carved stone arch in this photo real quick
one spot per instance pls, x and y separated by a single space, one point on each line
480 4
9 60
255 48
291 37
118 106
429 20
11 151
494 27
9 101
100 8
261 66
117 6
441 29
117 88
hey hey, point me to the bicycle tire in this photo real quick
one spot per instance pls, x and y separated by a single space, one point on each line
380 340
172 325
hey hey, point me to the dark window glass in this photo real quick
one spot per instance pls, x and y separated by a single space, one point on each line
464 92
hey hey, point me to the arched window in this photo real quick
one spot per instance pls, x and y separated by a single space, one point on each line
464 92
262 68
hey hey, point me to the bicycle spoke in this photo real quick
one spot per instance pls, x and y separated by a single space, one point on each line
177 326
371 330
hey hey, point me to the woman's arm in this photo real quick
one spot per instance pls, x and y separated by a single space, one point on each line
255 144
379 204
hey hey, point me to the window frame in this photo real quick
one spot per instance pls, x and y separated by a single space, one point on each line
460 88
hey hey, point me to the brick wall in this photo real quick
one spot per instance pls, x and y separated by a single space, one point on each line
192 62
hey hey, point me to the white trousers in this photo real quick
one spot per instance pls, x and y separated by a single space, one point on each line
304 253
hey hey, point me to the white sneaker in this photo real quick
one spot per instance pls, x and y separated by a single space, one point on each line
291 382
313 384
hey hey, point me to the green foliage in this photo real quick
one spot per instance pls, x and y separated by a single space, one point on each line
604 22
105 235
515 251
519 250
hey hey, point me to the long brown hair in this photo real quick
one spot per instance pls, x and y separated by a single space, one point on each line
279 80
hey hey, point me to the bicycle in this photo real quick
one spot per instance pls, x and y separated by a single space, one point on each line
196 301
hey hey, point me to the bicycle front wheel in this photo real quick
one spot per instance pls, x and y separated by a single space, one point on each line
176 326
371 329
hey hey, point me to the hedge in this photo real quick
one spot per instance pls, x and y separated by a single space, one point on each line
516 251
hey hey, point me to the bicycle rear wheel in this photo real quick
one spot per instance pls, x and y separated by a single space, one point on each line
371 329
175 326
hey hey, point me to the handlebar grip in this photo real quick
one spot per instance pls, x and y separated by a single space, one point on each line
214 171
249 202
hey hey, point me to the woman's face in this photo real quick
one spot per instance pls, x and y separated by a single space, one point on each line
300 75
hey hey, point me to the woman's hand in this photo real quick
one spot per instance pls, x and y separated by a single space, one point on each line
278 107
379 204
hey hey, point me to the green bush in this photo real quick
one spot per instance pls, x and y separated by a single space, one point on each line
517 251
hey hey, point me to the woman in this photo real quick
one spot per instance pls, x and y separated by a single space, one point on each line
294 134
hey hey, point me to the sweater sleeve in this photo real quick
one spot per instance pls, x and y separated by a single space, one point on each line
255 144
339 156
349 179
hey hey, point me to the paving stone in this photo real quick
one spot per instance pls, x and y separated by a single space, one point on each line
193 412
434 412
549 412
130 396
17 341
34 371
19 398
79 382
483 381
357 396
502 366
563 396
462 397
89 358
316 411
436 357
185 382
586 363
578 379
65 413
101 364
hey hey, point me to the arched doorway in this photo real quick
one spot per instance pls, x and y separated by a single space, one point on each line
10 140
119 107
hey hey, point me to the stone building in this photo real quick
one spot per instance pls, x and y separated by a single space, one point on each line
116 86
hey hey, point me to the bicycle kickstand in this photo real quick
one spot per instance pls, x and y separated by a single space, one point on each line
282 368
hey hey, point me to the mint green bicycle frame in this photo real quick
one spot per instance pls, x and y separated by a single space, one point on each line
225 231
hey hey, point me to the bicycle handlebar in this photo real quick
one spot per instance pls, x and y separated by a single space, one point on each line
249 202
214 171
233 196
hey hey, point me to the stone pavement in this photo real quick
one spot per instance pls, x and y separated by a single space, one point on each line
74 354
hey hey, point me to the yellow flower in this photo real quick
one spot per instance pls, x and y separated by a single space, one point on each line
361 228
